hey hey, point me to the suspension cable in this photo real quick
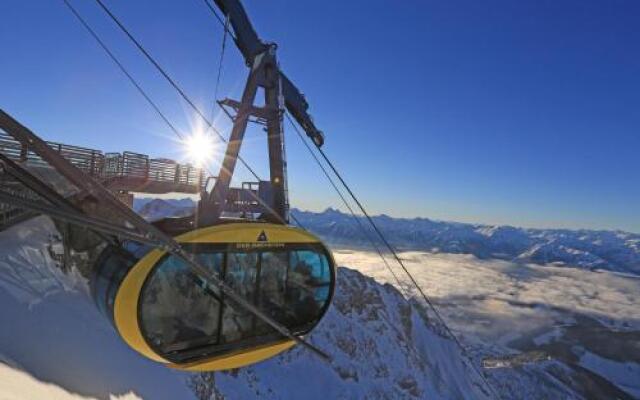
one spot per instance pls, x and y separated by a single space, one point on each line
345 202
171 81
220 63
122 68
426 298
219 18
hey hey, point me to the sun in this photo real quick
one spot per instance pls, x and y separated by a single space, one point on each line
199 148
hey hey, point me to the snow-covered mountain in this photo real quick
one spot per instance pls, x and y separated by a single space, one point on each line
155 209
612 250
140 202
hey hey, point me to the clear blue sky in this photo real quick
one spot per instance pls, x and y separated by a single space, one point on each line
518 112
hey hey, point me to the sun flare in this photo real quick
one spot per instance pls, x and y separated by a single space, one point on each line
199 149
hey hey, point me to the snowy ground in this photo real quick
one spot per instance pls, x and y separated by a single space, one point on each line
17 385
53 332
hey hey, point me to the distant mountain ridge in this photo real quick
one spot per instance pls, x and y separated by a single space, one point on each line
155 209
594 249
612 250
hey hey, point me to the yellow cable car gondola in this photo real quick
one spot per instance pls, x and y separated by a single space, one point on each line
166 313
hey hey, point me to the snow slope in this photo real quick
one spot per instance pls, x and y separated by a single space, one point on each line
18 385
52 330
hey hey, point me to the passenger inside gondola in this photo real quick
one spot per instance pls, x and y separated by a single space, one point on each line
273 278
237 323
180 312
172 290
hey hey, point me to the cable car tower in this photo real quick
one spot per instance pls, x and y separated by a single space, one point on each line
279 92
264 74
206 291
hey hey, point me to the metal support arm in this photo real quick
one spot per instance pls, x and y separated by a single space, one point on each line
264 74
250 45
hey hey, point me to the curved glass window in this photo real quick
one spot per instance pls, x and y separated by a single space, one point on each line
111 268
178 310
272 297
240 275
183 318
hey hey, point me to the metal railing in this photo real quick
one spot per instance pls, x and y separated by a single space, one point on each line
126 165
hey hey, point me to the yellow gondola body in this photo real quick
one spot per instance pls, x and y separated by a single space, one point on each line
169 315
